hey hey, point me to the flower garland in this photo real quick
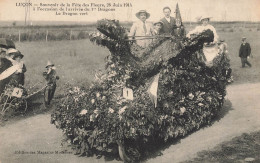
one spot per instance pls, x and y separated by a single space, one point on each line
190 95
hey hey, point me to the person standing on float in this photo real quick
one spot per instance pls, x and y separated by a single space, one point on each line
204 26
210 50
141 28
168 21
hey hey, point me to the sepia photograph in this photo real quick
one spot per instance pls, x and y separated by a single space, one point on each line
129 81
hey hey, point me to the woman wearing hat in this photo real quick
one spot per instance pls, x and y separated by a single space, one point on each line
204 26
142 28
15 56
210 51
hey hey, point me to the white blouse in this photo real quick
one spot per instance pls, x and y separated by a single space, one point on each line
201 28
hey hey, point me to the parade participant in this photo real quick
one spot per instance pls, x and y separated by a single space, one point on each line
158 28
51 77
168 21
210 50
4 65
141 28
204 26
222 45
244 52
15 56
222 49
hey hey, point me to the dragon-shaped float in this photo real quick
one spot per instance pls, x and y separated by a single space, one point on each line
146 96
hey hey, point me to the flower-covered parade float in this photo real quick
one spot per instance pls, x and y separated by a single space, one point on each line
146 96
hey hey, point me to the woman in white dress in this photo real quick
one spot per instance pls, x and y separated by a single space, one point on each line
204 26
209 50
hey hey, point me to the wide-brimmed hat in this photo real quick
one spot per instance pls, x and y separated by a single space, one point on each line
142 11
205 17
49 63
158 22
14 53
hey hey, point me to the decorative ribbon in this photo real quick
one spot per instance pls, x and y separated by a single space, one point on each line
210 53
152 90
8 72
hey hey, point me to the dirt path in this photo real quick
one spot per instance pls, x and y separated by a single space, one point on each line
36 134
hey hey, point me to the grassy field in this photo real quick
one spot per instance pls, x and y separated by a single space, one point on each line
76 61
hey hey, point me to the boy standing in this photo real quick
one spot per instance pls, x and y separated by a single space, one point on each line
51 77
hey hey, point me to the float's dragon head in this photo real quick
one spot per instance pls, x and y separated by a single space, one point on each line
109 34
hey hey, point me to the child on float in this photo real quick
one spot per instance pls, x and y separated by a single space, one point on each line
158 28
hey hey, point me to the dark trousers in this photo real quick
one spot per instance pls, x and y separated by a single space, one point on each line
49 93
245 61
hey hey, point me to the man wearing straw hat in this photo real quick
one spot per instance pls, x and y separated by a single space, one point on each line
142 29
244 52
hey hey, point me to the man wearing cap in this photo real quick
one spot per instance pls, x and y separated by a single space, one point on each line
204 26
168 21
141 28
244 52
158 28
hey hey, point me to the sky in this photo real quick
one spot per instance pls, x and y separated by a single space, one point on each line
220 10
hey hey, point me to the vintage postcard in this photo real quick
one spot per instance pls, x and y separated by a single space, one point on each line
156 81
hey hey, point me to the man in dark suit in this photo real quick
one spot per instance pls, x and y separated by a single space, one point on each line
244 52
168 21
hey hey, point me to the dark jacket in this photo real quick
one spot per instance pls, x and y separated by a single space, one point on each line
18 78
4 64
51 77
168 27
245 50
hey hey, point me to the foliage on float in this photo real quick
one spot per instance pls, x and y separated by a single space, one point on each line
190 94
